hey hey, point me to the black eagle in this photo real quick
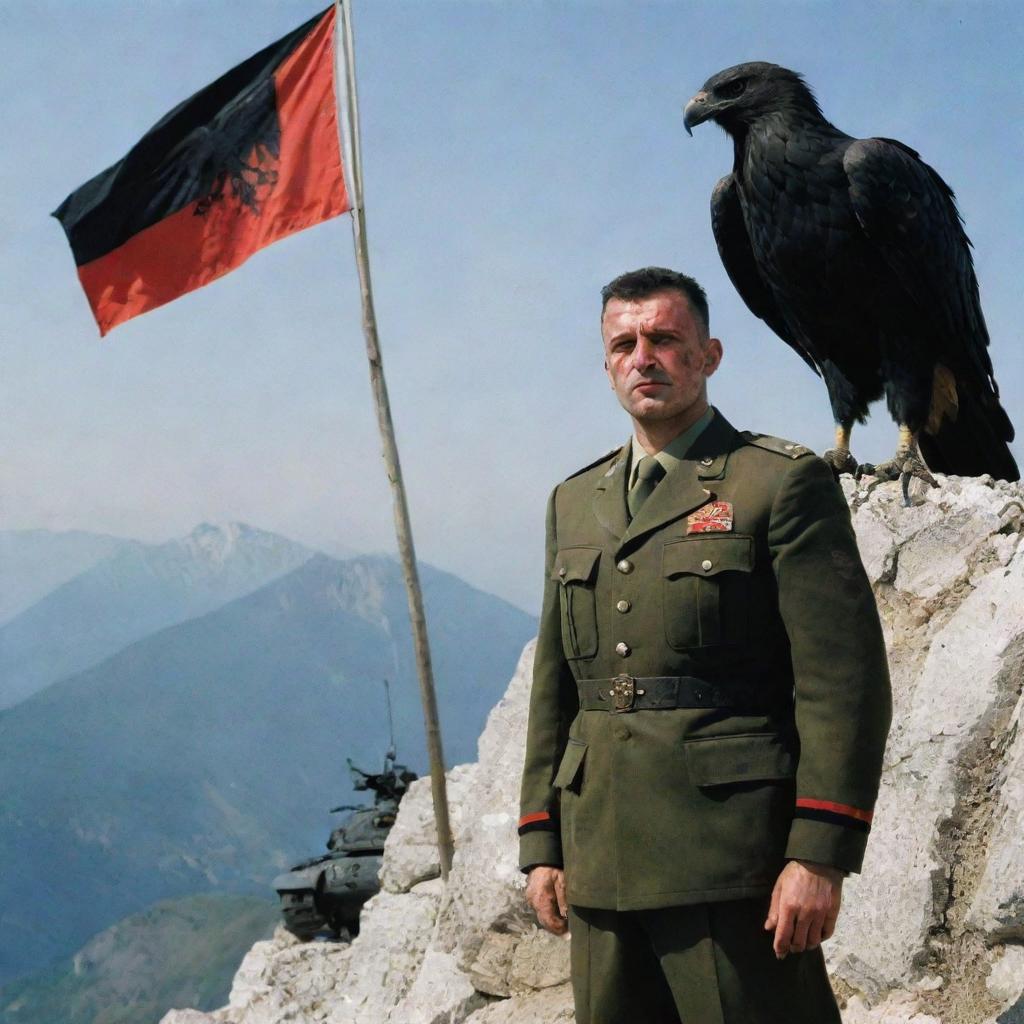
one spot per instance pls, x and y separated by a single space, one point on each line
854 253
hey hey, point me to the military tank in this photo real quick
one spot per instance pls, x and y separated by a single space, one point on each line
327 892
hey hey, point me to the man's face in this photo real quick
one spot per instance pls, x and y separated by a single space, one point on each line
657 357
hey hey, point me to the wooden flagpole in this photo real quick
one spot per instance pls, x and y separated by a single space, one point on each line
403 528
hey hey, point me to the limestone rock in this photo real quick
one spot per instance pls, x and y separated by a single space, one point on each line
410 852
998 905
950 609
899 1008
540 960
1006 982
489 971
927 932
441 994
386 956
552 1006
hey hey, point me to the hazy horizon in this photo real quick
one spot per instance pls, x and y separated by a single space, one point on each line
517 156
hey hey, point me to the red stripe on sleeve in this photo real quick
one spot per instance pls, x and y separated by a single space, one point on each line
528 819
828 805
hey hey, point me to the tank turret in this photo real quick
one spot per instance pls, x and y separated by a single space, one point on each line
329 891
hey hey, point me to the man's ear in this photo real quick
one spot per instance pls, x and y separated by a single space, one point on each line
712 356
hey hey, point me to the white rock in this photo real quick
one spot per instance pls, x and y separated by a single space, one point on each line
441 994
410 852
552 1006
1006 980
540 960
385 957
998 905
900 1008
950 680
945 864
490 969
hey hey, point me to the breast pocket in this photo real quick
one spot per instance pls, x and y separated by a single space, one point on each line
706 590
575 571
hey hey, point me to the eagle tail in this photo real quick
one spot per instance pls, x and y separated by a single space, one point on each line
973 441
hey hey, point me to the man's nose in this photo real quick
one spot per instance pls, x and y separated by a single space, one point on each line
643 353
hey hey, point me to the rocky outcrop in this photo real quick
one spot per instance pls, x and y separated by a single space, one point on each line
932 932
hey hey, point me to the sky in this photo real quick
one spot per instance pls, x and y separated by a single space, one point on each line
517 155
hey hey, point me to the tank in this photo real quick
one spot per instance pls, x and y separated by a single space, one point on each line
327 892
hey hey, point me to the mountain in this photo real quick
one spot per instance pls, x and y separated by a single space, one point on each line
176 953
34 562
205 756
134 591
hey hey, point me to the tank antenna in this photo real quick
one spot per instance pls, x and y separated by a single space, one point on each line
392 753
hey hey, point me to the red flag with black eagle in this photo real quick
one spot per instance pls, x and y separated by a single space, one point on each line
251 158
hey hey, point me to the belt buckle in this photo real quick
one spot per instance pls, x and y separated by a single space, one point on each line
623 693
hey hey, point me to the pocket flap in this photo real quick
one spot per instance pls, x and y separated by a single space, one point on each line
567 776
575 565
708 556
746 758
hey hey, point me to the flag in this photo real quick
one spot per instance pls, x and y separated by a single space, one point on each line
251 158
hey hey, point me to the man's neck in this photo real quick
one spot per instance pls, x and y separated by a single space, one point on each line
654 435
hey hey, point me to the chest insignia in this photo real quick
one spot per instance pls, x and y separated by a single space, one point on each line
713 517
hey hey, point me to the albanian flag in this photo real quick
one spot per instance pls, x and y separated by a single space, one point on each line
247 160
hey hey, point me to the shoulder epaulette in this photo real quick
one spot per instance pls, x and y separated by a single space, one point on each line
597 462
778 445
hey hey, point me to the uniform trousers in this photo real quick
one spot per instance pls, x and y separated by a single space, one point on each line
711 963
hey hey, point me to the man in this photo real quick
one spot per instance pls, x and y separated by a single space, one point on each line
710 699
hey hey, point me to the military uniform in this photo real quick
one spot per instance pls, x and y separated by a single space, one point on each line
710 695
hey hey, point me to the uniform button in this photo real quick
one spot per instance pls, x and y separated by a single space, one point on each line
706 564
623 606
561 570
706 461
622 732
623 650
625 566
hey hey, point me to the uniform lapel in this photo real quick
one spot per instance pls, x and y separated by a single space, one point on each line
610 496
685 488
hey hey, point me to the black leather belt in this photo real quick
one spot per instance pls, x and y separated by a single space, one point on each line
654 693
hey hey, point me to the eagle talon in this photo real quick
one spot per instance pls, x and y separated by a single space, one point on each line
903 466
841 461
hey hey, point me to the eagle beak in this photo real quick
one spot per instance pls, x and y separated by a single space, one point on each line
695 112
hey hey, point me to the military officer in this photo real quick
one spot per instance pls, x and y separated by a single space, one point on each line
710 699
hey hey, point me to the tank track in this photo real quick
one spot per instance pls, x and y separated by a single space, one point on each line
301 916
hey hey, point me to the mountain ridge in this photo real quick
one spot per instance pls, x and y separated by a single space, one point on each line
134 591
206 754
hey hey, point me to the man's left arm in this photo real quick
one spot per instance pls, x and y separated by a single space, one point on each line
842 691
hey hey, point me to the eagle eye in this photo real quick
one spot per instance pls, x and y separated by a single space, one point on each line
730 90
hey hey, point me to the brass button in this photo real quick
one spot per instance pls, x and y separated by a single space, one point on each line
623 606
706 461
706 564
623 650
625 566
622 732
561 570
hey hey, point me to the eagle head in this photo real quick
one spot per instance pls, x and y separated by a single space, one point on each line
736 97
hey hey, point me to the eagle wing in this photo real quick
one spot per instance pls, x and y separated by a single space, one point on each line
909 216
738 258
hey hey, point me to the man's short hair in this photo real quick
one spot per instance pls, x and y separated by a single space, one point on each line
639 284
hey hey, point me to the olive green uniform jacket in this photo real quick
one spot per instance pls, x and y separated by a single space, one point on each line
770 606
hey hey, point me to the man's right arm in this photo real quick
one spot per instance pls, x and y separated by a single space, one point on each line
553 705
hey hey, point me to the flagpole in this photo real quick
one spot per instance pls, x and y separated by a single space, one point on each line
403 527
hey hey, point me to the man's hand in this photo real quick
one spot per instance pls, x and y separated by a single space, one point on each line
545 890
805 906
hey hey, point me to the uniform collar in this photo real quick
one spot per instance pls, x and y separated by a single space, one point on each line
675 451
679 493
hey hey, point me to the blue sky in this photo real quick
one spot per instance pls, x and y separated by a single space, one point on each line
517 155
